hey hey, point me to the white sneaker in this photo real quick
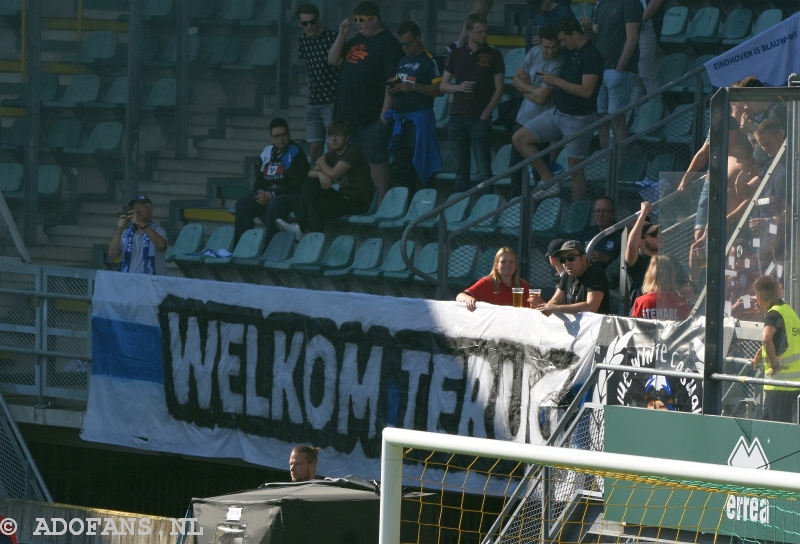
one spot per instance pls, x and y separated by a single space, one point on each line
541 194
294 228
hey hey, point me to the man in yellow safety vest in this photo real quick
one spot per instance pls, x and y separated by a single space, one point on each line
780 351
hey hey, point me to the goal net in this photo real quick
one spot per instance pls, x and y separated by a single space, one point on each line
443 489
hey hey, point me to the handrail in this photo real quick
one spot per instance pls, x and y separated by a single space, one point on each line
481 187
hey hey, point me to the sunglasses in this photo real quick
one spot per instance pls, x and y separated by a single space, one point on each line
568 258
311 22
362 19
406 44
652 234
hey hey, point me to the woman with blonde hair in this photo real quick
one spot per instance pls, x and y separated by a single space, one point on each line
496 287
660 298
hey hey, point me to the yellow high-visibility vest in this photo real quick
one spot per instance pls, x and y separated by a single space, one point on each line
789 360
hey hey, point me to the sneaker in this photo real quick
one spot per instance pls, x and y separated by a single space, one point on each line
294 228
541 194
452 47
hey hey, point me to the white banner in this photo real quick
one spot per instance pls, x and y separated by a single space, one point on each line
771 56
232 370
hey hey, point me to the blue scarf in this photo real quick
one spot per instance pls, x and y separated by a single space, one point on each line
148 255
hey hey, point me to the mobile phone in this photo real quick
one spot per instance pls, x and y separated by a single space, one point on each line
126 210
392 82
540 74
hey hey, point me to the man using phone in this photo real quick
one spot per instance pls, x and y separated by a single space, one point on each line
139 242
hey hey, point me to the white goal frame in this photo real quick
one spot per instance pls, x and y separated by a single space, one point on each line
394 440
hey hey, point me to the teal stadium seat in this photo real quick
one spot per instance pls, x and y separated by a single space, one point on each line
426 261
17 135
222 49
267 17
597 169
392 207
663 162
648 115
679 129
63 133
513 60
546 217
116 97
508 222
250 245
736 26
161 95
423 201
461 265
98 46
82 89
221 238
575 217
11 177
767 19
676 19
485 204
150 46
485 263
263 53
106 138
500 164
368 255
632 168
10 8
49 182
440 106
152 9
692 83
190 240
339 255
452 214
170 57
672 67
231 12
48 90
279 248
705 23
392 263
308 251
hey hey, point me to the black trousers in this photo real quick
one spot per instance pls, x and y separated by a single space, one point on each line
318 205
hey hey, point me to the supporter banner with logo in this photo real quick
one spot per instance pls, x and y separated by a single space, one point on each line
667 345
231 370
772 56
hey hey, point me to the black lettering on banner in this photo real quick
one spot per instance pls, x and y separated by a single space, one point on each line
305 379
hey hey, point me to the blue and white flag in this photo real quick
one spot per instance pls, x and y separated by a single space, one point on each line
771 56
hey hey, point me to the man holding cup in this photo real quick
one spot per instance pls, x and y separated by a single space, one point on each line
584 287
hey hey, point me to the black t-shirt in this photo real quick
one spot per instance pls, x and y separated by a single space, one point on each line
586 60
421 69
552 17
577 288
611 16
479 66
282 173
322 77
775 319
367 64
356 183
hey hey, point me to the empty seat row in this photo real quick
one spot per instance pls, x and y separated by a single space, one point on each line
705 27
66 136
11 176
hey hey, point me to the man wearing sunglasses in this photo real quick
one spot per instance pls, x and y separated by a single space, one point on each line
313 47
584 287
366 62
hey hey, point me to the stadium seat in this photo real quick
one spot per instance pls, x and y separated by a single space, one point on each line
99 45
49 182
485 263
279 248
705 23
452 214
116 97
10 8
11 177
220 239
692 83
368 255
423 201
161 95
231 12
152 9
82 89
263 53
648 115
675 21
767 19
679 129
392 207
461 265
484 205
308 251
106 138
48 90
149 47
190 240
575 217
507 223
16 136
339 255
392 263
426 261
597 169
632 167
218 50
440 106
250 245
64 133
448 170
672 67
664 162
513 60
736 26
202 9
170 57
267 17
546 217
500 164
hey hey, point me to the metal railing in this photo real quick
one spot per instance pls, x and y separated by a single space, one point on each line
19 477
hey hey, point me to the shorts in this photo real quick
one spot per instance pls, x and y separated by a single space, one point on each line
553 125
373 141
616 90
317 119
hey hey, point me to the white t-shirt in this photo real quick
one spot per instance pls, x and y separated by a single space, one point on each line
534 62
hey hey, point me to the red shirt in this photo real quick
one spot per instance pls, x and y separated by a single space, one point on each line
483 291
661 306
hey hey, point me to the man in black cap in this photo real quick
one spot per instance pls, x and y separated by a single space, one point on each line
558 268
139 243
584 287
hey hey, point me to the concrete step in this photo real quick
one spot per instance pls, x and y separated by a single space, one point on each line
226 154
207 167
251 134
60 256
233 144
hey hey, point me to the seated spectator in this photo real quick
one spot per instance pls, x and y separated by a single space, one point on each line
552 283
658 394
660 298
584 287
279 178
496 287
338 184
608 248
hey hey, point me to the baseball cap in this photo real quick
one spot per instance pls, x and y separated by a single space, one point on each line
570 245
554 246
649 228
141 199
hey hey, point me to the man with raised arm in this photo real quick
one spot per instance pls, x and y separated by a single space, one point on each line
139 242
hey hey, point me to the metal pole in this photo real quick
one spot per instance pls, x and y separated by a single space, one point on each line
793 212
33 114
284 47
134 101
715 274
182 75
431 25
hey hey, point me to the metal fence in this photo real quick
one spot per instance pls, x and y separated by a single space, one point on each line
19 477
45 330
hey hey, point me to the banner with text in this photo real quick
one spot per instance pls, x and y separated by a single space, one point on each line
216 369
772 56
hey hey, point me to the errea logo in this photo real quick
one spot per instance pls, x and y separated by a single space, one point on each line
739 507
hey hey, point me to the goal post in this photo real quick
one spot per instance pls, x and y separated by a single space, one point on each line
608 467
